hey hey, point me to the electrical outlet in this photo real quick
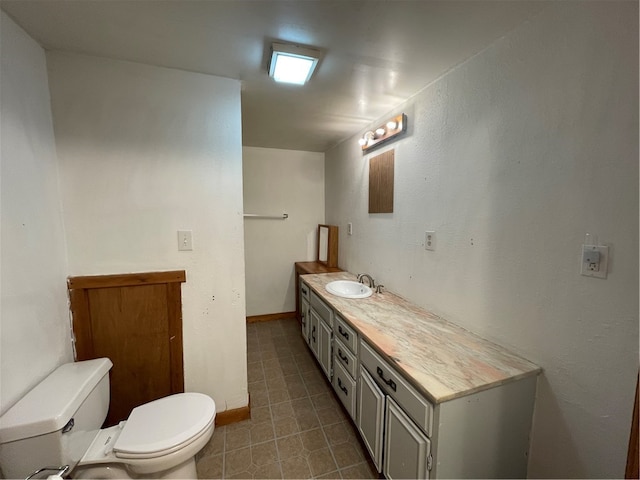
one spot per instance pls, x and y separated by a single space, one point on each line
595 261
429 240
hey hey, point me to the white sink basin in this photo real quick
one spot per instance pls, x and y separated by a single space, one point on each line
348 289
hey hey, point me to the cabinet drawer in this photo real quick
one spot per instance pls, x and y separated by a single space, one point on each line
345 387
344 356
346 334
416 406
322 309
304 290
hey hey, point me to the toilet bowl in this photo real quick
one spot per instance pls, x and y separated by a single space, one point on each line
159 439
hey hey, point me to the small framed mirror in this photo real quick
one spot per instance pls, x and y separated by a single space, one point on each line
328 245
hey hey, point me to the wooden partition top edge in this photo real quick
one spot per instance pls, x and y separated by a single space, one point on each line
126 279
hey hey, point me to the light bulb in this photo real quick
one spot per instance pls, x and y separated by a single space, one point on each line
380 131
362 142
392 125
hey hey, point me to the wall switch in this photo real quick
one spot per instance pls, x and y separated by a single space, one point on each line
185 240
349 228
429 240
595 260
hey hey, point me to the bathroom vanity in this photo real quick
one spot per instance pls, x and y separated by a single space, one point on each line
430 399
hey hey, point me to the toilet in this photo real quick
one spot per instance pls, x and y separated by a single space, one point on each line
58 423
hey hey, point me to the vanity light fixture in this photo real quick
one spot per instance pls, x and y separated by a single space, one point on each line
292 64
366 139
384 133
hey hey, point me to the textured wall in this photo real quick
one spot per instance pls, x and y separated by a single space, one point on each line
34 321
511 158
277 181
144 152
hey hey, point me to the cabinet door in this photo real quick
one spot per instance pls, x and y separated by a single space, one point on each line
406 448
314 333
370 416
324 348
345 387
304 319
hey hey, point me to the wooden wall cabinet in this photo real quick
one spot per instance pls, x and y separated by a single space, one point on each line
136 321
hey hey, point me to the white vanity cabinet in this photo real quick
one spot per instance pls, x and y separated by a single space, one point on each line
394 419
480 435
304 296
320 325
430 399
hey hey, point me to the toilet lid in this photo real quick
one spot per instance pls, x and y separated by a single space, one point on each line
165 423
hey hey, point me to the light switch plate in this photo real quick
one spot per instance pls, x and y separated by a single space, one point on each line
185 241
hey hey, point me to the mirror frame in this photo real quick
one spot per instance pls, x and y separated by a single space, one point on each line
332 245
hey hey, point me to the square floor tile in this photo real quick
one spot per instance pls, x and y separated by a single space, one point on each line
290 446
346 455
261 432
295 467
321 462
237 461
211 466
313 439
264 453
285 426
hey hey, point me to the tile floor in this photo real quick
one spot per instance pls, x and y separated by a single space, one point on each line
298 428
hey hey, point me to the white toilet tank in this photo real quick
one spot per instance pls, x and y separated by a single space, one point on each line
55 423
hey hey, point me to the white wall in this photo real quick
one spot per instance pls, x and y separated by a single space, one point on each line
278 181
34 322
511 158
146 151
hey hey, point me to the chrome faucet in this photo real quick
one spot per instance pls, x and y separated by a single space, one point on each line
362 276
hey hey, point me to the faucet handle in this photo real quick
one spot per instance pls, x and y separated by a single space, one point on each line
379 288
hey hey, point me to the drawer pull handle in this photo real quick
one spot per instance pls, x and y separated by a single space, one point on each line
343 358
313 334
302 318
304 290
342 387
389 382
343 333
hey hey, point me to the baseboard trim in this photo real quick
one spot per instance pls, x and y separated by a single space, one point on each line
232 416
271 316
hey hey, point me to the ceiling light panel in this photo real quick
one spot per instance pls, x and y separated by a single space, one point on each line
292 64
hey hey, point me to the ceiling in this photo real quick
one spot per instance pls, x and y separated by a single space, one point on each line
376 53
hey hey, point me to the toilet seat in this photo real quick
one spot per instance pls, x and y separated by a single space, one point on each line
164 426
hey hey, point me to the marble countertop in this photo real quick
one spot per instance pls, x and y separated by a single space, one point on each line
444 361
